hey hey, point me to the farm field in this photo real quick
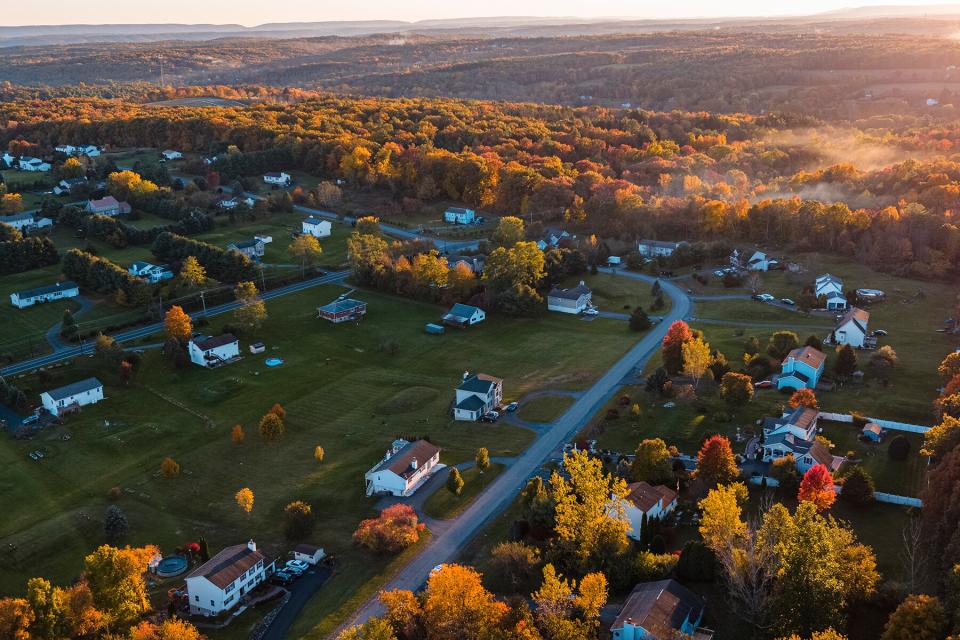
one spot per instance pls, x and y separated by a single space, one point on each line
341 389
619 294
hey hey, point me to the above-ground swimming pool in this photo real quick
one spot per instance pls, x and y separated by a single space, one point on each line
274 362
171 566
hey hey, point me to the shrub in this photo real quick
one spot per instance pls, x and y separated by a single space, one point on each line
115 525
395 529
858 487
298 521
696 563
899 448
170 468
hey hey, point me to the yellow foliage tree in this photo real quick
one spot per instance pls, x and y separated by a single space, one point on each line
244 499
696 358
237 434
177 324
319 454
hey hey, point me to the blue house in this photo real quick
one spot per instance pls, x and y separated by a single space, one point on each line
801 368
661 610
459 215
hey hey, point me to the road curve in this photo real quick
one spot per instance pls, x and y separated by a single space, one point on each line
444 546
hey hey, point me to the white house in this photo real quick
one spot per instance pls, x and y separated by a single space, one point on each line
89 150
831 288
152 273
851 328
404 469
573 300
58 291
67 186
108 206
72 396
309 553
661 610
316 227
647 500
464 315
795 434
8 159
477 395
34 165
214 352
66 149
170 154
278 178
552 237
658 248
218 584
760 261
26 221
459 215
253 248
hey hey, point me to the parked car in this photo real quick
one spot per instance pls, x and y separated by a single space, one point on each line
763 384
513 406
879 332
296 572
766 297
756 296
297 564
491 416
788 301
591 311
282 578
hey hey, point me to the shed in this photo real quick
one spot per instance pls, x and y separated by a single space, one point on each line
435 329
309 553
872 431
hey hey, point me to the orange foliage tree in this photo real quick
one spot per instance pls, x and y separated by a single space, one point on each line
177 324
817 487
803 398
715 461
395 529
672 353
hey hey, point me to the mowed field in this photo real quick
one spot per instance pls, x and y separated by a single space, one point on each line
342 389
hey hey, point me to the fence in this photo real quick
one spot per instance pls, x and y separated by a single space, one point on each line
885 424
895 499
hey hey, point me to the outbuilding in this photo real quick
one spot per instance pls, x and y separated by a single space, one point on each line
464 315
309 553
342 310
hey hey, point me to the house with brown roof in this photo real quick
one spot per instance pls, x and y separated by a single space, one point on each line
405 467
662 610
108 206
801 368
645 502
795 434
215 351
477 395
851 329
218 584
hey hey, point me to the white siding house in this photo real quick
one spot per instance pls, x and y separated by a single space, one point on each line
851 329
219 583
658 248
661 610
279 179
316 227
795 434
72 396
650 501
459 215
760 261
150 272
830 288
404 469
34 165
464 315
477 395
213 352
26 221
58 291
573 300
170 154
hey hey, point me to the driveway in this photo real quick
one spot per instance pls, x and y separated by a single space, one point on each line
444 545
53 333
301 592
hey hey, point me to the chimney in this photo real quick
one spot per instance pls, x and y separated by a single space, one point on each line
413 463
389 454
582 283
466 374
252 545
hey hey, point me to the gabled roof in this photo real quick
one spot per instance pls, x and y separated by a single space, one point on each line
400 462
828 279
471 403
307 549
339 306
275 174
314 221
205 343
66 285
464 311
459 210
820 453
872 427
858 317
17 217
807 355
572 293
74 388
645 497
802 417
479 383
228 565
660 608
103 204
662 244
758 256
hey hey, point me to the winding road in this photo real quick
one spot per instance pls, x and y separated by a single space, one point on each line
445 544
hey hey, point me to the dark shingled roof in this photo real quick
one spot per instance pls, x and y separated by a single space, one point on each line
660 608
50 288
74 388
572 293
205 343
399 463
228 565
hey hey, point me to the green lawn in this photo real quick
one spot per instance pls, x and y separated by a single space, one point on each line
444 505
16 180
544 409
341 390
619 294
890 476
752 311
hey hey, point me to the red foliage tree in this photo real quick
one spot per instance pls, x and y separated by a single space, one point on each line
817 487
395 529
716 463
804 398
672 353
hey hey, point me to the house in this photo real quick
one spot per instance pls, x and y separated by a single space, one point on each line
830 288
662 610
150 272
760 261
342 310
72 396
89 150
659 248
316 227
218 584
646 502
214 352
26 221
552 237
170 154
232 203
463 315
279 179
870 295
253 248
795 433
573 300
67 186
474 263
66 149
477 395
801 368
872 432
309 553
108 206
58 291
734 259
34 165
459 215
8 159
851 329
404 469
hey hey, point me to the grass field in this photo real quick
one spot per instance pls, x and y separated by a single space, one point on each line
544 409
444 505
619 294
341 390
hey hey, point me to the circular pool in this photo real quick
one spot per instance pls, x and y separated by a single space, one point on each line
171 566
274 362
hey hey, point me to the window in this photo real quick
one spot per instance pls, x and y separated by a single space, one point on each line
197 598
211 603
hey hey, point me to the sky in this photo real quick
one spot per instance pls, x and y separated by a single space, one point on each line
250 12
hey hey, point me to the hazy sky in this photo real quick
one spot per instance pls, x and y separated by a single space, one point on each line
250 12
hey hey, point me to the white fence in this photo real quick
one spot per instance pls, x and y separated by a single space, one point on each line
895 499
885 424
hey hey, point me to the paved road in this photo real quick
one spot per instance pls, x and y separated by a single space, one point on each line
300 593
498 496
139 332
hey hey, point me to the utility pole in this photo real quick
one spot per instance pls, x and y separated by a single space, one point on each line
203 301
163 82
